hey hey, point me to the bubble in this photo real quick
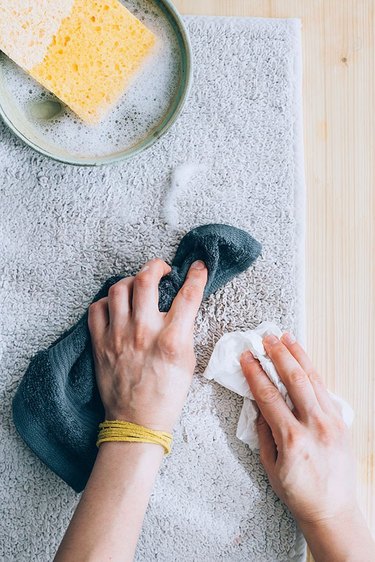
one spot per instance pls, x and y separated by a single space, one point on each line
141 108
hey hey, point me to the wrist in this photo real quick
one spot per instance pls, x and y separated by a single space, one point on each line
140 450
158 426
344 537
143 460
346 518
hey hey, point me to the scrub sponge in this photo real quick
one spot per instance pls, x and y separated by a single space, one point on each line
85 51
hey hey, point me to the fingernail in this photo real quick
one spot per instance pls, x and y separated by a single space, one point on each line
198 265
144 268
288 338
247 356
271 339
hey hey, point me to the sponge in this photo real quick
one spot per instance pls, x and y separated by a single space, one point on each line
84 51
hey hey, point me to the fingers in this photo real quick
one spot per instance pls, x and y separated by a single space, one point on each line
187 301
146 290
303 359
296 381
267 445
119 303
98 318
270 402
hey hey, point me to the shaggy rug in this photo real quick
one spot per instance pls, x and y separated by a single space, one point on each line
65 229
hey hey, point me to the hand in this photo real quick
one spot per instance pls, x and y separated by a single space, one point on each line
144 359
144 363
306 453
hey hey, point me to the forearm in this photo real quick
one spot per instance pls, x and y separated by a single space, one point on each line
108 519
346 539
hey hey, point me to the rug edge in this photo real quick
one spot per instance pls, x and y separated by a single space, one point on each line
300 185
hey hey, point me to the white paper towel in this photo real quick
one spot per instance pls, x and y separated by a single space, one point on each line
224 367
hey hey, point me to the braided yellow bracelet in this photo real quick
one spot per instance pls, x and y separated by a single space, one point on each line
118 430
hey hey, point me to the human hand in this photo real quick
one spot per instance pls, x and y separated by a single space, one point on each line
144 359
307 455
144 363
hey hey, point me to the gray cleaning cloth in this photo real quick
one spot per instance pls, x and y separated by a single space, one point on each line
57 407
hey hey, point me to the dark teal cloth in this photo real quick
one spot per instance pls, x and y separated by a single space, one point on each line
57 407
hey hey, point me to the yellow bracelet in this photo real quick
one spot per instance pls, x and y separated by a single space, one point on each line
118 430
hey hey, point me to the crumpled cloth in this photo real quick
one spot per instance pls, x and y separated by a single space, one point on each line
224 368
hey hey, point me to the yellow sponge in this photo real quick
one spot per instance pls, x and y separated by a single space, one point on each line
85 52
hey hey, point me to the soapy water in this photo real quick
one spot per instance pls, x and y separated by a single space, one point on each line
141 108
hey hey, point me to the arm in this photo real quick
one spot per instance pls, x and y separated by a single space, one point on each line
144 364
307 456
108 519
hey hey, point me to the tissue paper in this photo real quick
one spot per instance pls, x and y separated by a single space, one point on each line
224 368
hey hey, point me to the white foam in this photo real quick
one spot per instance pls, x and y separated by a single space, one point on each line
141 108
180 181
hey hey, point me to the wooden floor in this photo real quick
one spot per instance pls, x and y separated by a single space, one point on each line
339 122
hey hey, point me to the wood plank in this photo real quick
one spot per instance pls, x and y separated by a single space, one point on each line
339 70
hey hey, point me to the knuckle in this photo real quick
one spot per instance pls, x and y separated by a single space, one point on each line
189 292
255 369
158 262
293 438
269 395
297 377
251 369
143 279
276 353
97 305
313 376
93 308
326 430
116 290
330 430
169 344
314 412
125 282
141 337
321 425
277 350
327 436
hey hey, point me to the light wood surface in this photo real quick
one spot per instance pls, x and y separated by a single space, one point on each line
339 70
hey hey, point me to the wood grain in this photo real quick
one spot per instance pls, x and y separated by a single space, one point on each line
339 70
